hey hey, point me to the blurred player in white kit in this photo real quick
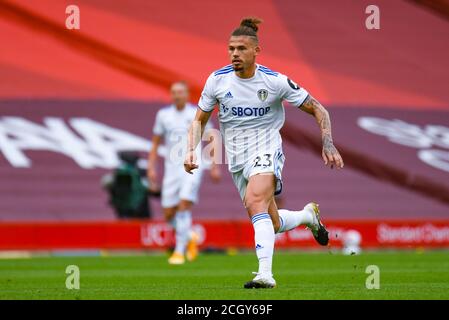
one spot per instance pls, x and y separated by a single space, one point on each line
179 189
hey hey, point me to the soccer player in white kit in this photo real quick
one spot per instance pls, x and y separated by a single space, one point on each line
251 113
179 189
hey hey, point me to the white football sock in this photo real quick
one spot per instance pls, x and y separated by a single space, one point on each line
264 240
183 222
292 219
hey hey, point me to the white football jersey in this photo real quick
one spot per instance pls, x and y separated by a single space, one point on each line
173 126
251 112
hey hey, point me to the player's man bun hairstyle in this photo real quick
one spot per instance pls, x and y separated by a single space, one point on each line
248 27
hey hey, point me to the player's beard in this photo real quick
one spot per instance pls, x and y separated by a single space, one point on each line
238 67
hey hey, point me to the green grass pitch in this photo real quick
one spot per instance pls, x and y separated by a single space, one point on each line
403 275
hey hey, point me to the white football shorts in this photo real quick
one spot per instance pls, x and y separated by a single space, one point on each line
265 162
178 185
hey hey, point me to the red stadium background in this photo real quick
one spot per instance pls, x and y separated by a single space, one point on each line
70 99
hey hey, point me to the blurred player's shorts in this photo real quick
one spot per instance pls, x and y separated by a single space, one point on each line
179 185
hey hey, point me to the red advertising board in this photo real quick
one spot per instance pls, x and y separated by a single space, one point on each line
213 234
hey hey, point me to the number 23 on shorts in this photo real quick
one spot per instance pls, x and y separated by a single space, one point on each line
264 161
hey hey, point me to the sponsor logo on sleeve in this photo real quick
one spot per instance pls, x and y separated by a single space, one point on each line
292 84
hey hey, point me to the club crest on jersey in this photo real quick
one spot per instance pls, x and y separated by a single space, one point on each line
262 94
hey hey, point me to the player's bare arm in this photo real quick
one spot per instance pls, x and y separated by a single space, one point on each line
152 159
215 171
330 154
196 131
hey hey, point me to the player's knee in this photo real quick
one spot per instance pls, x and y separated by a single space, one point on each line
256 203
185 205
169 217
169 214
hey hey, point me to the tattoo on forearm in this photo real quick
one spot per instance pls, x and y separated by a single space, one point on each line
328 145
312 106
